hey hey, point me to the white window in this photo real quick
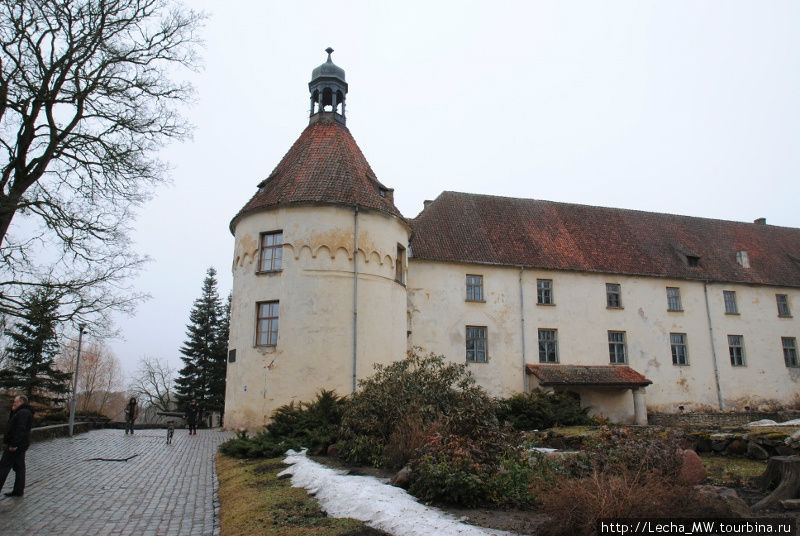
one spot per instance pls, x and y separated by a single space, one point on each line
267 323
476 344
271 255
474 288
548 346
674 299
789 351
783 305
613 295
736 350
730 302
544 291
679 354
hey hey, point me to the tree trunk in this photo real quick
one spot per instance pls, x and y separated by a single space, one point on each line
783 471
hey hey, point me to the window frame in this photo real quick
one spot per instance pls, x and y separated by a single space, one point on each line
736 350
270 319
277 252
790 352
544 292
399 265
679 358
479 330
615 347
674 302
613 295
786 312
549 344
729 300
476 284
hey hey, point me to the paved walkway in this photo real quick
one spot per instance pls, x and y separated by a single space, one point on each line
165 490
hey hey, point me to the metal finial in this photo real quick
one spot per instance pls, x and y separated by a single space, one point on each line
329 50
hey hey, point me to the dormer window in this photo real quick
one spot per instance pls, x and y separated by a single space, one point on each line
742 258
693 261
382 192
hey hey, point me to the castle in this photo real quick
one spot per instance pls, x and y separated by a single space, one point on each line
632 311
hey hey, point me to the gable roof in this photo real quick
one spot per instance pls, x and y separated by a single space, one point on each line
584 375
472 228
325 165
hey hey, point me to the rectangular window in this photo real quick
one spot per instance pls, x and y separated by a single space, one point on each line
548 346
679 354
674 299
400 264
544 291
267 323
783 305
271 251
736 350
616 347
476 344
789 351
613 298
730 302
474 288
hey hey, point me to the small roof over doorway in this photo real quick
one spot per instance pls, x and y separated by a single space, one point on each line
620 376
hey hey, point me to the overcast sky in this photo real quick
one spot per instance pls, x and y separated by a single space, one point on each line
683 107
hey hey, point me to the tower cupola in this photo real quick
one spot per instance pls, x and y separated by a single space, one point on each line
328 89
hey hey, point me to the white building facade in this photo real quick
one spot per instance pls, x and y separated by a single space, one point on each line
632 311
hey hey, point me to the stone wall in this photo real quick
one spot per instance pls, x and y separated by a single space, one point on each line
718 419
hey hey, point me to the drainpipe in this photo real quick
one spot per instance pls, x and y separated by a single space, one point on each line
522 328
355 295
713 348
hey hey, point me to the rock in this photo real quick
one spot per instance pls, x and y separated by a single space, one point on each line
401 479
794 438
703 445
783 450
762 422
756 451
719 445
333 452
725 502
692 470
791 504
737 447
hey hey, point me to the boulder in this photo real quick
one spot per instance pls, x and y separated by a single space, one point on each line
737 447
725 502
790 504
692 470
333 452
756 451
401 479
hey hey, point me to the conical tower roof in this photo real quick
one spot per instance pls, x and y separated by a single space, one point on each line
325 165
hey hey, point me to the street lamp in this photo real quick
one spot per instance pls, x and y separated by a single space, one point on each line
81 328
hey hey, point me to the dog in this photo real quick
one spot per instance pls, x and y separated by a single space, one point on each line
170 432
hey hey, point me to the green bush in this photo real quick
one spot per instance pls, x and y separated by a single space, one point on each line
490 471
538 410
311 425
425 389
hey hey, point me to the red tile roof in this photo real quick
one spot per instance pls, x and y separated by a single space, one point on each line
324 165
597 376
460 227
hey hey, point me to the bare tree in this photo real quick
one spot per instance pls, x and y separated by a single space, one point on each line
87 98
99 377
152 384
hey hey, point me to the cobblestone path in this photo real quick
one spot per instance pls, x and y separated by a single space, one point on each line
164 490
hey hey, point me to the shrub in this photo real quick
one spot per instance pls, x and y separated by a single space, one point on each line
489 471
538 410
574 505
416 393
311 425
616 449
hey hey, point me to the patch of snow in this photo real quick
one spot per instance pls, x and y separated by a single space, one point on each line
769 422
544 450
379 505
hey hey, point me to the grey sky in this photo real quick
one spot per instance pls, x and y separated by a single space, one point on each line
677 106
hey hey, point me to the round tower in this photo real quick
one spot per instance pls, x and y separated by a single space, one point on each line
319 270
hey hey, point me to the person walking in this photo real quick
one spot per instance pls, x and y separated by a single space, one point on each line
131 414
16 440
192 414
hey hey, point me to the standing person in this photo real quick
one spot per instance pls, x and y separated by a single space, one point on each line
17 439
131 414
192 414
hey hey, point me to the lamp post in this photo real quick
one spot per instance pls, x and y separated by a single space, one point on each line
81 327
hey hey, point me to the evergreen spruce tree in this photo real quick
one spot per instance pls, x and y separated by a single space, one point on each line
203 351
30 367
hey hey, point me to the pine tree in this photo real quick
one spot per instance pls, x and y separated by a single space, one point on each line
201 377
34 345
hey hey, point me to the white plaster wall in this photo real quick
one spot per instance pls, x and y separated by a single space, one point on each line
315 291
439 313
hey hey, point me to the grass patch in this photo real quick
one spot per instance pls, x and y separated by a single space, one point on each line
255 501
725 471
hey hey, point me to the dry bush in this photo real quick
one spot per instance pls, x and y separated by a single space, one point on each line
575 504
409 435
